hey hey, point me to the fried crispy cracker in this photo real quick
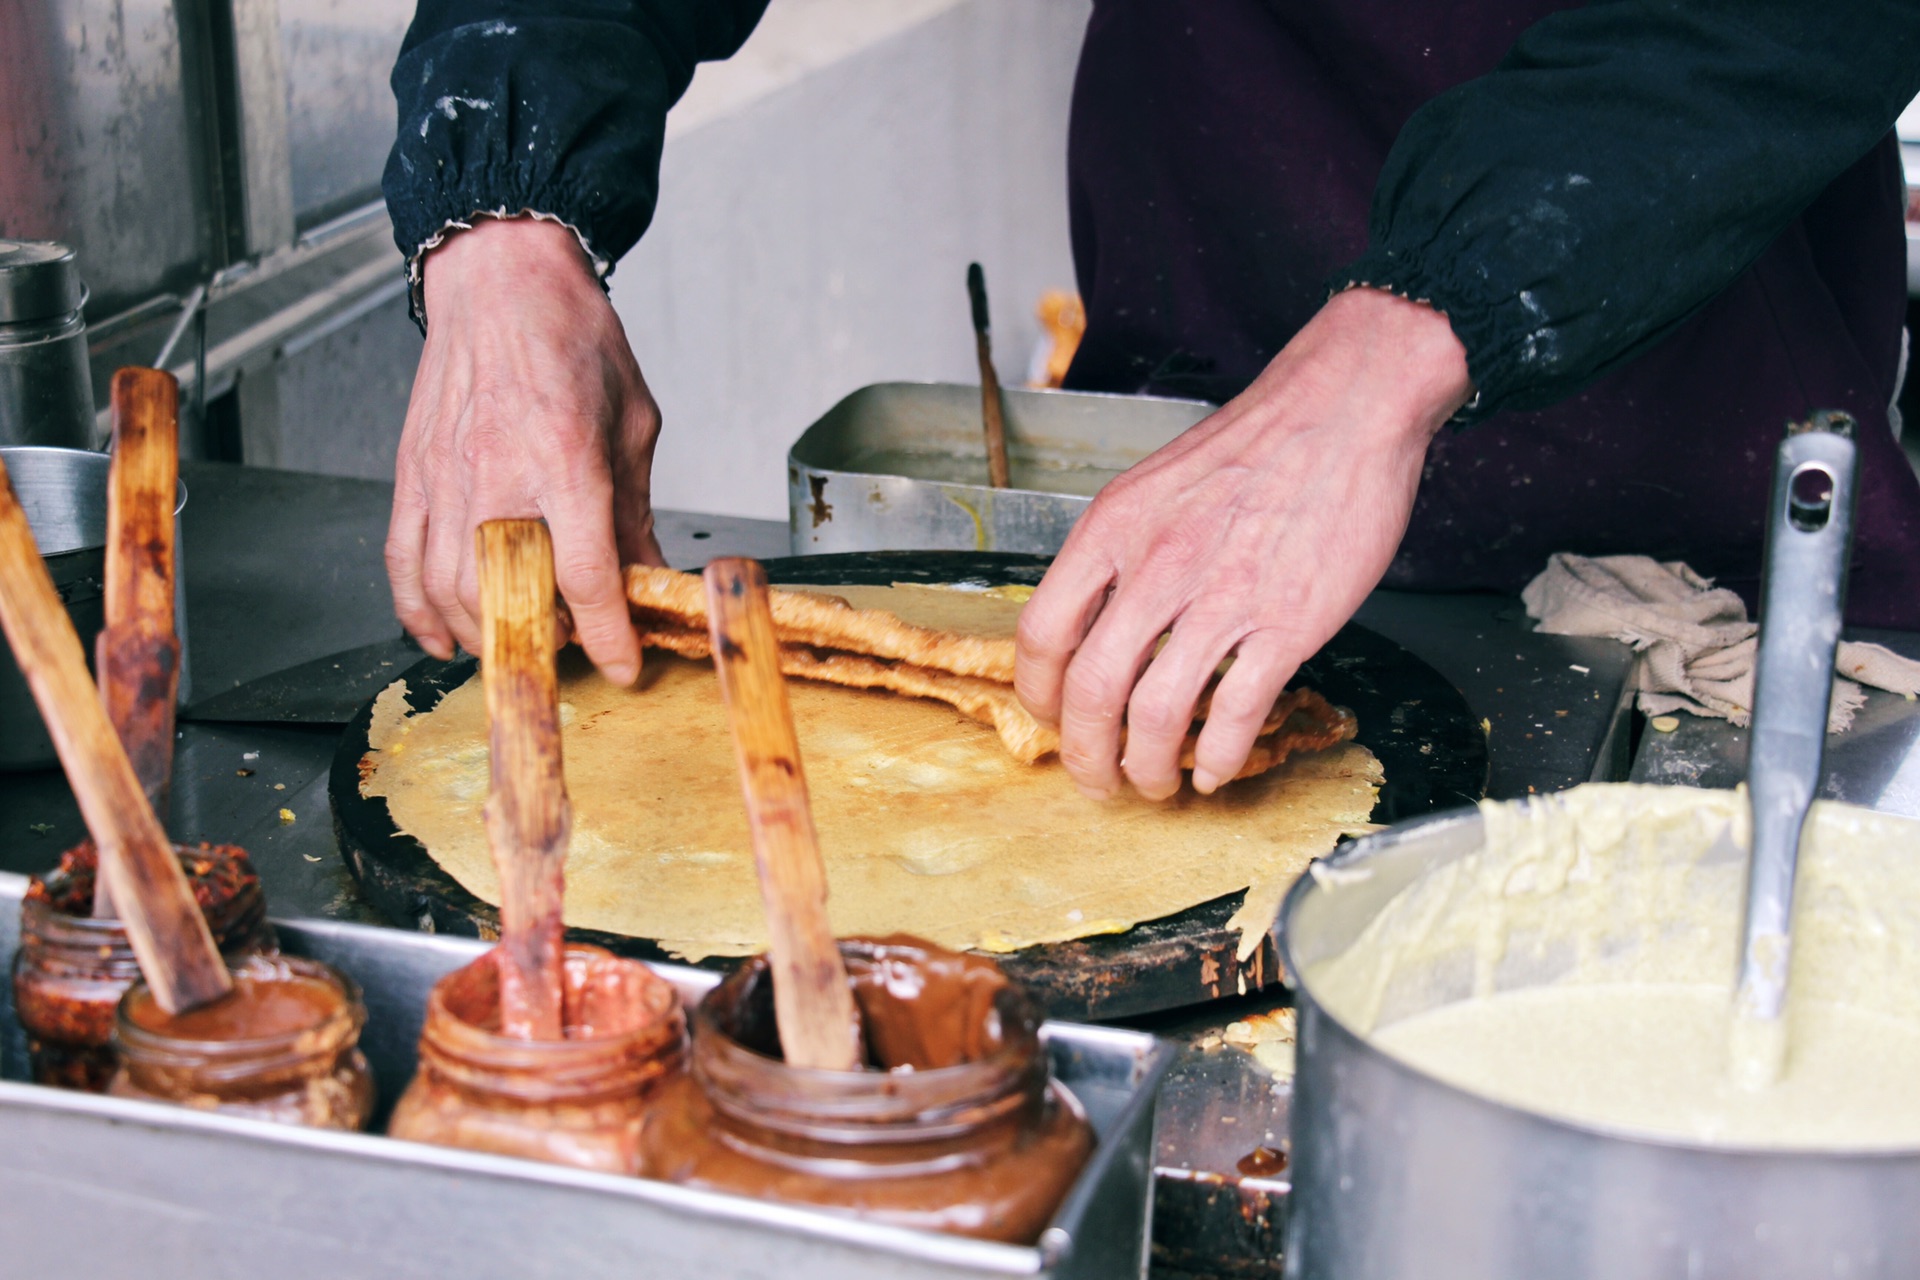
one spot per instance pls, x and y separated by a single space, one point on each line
826 622
1301 720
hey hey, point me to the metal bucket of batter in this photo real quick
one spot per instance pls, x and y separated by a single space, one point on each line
1397 1174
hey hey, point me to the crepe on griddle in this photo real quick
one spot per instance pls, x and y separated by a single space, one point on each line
936 642
927 824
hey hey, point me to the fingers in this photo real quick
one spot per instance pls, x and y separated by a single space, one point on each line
1262 665
1099 681
1055 621
449 556
1160 712
586 568
406 554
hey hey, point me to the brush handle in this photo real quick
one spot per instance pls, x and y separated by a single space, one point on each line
529 817
812 1001
137 654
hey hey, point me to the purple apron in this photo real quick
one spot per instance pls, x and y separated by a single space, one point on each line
1222 158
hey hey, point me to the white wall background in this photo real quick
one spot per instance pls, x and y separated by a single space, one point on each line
821 196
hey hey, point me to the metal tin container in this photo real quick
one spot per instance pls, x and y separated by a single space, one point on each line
106 1186
1396 1174
46 392
64 493
902 466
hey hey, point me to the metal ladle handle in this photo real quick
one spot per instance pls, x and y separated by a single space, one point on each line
1809 538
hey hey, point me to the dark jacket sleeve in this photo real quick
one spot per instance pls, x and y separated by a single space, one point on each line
557 107
1620 167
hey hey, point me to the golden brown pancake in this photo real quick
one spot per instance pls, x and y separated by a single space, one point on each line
928 825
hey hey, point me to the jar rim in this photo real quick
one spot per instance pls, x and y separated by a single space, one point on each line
454 1045
867 1102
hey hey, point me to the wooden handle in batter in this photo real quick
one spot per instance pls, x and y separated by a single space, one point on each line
992 419
812 1001
170 939
528 815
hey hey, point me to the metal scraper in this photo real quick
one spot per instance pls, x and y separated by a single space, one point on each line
329 690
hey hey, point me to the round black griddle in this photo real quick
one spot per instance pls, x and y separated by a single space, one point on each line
1430 744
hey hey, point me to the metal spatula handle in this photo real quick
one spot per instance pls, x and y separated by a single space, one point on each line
1809 537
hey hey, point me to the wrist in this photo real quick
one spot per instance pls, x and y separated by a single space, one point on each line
1428 380
504 253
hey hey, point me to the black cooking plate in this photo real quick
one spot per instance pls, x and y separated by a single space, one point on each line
1430 744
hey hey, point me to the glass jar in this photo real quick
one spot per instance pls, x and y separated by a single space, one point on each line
285 1046
71 969
581 1101
956 1127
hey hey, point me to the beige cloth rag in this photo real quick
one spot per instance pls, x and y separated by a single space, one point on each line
1697 646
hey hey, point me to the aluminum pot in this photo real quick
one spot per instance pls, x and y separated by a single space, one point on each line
64 493
1398 1175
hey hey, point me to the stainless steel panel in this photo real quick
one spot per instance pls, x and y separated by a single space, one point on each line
340 113
99 143
902 466
260 94
106 1187
1395 1174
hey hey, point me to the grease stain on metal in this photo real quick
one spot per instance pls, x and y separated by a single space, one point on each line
821 509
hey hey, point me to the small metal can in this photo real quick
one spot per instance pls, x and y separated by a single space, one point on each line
46 391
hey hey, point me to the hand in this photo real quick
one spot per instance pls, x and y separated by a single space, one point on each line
528 402
1257 533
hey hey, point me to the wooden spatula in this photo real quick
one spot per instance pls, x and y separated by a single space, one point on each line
138 653
812 1003
528 815
170 939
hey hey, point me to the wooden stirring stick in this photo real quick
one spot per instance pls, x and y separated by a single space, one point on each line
170 938
990 412
812 1002
138 653
528 815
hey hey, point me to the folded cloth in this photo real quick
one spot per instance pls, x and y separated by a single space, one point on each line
1696 642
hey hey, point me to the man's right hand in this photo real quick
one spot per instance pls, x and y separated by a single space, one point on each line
527 403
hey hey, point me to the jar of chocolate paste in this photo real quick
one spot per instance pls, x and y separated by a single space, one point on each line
955 1126
284 1046
71 969
581 1101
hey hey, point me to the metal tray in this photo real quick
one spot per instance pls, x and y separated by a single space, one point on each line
902 466
102 1187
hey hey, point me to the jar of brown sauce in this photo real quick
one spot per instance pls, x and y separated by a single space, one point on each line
957 1126
284 1046
71 969
581 1101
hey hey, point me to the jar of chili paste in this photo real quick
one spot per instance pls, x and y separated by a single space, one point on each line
582 1100
71 968
956 1125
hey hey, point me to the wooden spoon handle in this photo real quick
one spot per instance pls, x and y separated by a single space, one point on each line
138 652
812 1002
169 935
528 815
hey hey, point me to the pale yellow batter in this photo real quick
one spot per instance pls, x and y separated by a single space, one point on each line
1581 965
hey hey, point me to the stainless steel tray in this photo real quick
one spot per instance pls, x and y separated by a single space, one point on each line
100 1187
902 466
